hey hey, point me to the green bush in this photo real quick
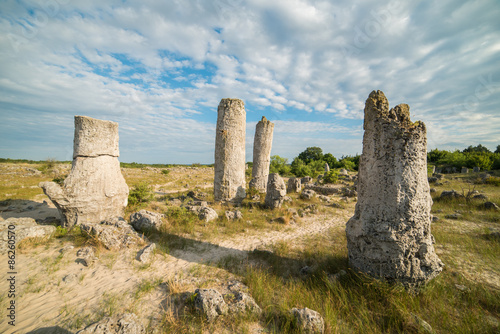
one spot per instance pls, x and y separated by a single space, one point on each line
141 193
165 172
494 180
331 177
279 165
60 180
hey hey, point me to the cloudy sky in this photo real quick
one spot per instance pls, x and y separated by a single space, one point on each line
160 68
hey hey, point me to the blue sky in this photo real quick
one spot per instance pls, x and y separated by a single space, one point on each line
160 68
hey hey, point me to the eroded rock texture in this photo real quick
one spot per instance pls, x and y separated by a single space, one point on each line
95 189
229 167
276 191
389 235
262 145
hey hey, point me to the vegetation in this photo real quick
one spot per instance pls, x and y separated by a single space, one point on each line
140 193
472 156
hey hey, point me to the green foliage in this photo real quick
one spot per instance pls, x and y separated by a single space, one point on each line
299 168
60 232
331 177
141 193
60 180
311 154
498 149
47 166
476 149
279 165
316 167
330 160
436 155
493 181
165 172
349 163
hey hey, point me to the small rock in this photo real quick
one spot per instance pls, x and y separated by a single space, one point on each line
306 180
66 248
461 287
146 253
127 323
451 194
210 303
490 206
435 218
233 215
422 324
480 197
305 270
242 302
307 194
432 190
309 321
69 278
146 220
454 216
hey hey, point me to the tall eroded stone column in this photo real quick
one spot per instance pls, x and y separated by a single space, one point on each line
229 167
95 189
262 144
389 235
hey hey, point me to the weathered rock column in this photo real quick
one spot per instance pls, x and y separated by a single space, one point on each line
276 191
389 235
229 167
262 144
95 189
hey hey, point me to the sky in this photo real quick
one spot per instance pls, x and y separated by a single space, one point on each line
160 69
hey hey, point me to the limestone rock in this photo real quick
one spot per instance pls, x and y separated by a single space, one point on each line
86 256
389 235
95 189
210 303
465 170
23 228
204 212
276 191
476 169
450 194
262 144
241 302
324 189
309 321
306 179
113 234
146 253
327 167
127 323
146 220
343 171
229 166
307 194
233 215
491 206
294 185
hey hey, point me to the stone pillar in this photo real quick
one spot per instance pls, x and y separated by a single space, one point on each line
433 169
95 189
465 170
327 167
294 185
229 167
476 169
389 235
262 144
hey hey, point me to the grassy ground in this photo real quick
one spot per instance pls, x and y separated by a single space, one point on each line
464 298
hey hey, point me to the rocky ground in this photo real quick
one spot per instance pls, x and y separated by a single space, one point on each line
61 290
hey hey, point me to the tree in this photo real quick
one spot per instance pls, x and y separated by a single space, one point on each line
299 168
476 149
279 165
498 149
311 154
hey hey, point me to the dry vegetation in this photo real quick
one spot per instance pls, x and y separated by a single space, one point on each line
265 250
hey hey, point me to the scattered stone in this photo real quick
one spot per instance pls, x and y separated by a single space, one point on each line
114 233
204 212
95 189
145 254
324 198
324 189
23 228
438 176
435 218
86 256
306 180
234 215
309 321
476 169
66 248
343 171
349 192
287 199
210 303
144 221
306 270
255 198
465 170
229 167
422 324
294 185
389 235
450 194
432 190
490 206
69 278
453 216
480 197
127 323
484 176
432 179
461 287
262 144
276 191
307 194
241 302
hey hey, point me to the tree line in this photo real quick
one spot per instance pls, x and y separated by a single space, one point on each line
311 162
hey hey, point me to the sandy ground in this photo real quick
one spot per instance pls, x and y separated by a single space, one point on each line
49 297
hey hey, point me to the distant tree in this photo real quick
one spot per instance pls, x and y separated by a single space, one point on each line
436 155
279 165
348 162
300 168
498 149
311 154
476 149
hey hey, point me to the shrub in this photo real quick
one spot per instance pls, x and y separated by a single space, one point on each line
47 166
141 193
60 180
494 180
165 172
279 165
331 177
